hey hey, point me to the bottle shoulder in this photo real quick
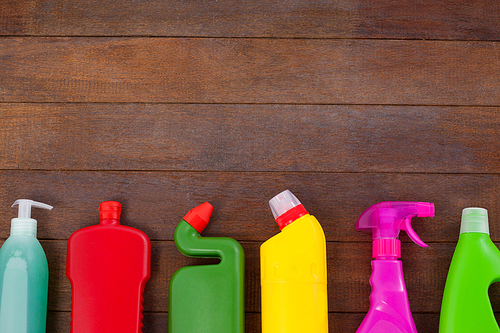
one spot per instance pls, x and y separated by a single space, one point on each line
116 232
305 230
297 254
475 262
26 247
476 246
191 243
299 241
21 242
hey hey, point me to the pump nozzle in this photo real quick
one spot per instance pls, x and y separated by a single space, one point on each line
24 224
25 207
386 219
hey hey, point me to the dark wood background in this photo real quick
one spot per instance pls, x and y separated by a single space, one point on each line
163 105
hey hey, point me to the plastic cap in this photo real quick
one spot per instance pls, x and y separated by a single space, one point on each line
199 216
24 225
283 202
110 210
475 219
387 248
286 208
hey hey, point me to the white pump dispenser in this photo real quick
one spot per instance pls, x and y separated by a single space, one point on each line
24 225
24 275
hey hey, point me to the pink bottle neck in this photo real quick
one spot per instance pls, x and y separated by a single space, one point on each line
386 248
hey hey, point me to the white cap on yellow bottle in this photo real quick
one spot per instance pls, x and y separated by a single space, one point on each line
286 208
283 202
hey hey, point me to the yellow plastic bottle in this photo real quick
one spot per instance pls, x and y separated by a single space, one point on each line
293 271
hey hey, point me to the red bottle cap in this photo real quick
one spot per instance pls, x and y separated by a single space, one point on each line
110 210
291 215
199 216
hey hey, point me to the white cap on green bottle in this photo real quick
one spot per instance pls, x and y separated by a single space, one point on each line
24 225
475 219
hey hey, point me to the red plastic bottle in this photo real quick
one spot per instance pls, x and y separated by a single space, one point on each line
108 266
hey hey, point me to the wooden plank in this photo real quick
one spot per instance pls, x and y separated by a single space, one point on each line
156 201
312 19
349 272
58 322
303 71
327 138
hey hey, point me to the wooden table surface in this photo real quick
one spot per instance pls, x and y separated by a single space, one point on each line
163 105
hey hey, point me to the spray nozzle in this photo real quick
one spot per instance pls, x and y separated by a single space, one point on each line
386 219
24 224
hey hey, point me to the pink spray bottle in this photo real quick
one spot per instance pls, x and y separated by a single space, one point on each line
389 308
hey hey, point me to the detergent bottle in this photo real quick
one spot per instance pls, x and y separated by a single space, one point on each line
475 266
24 275
207 298
389 307
293 271
108 266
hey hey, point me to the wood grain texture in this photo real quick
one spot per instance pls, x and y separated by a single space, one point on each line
155 202
249 71
163 105
441 19
326 138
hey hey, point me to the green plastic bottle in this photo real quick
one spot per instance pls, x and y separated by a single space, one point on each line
24 275
475 266
207 298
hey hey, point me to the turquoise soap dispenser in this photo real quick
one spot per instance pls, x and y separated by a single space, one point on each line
24 275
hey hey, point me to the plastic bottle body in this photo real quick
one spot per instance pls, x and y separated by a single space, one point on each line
108 267
207 298
24 277
389 307
466 306
294 279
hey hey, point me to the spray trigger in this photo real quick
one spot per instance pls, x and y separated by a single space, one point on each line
406 226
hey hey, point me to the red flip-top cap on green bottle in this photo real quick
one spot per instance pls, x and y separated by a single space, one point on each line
110 210
199 216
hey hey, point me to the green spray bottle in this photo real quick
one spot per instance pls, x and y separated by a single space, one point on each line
207 298
24 275
475 266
